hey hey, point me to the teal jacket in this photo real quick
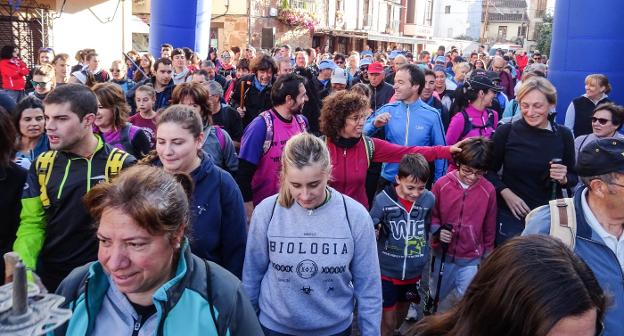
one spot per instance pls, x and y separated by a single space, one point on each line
201 299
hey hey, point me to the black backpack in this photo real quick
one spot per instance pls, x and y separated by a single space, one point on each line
468 125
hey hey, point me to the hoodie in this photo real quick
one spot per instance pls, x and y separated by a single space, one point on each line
402 245
471 211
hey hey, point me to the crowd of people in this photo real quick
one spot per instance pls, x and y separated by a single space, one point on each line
293 192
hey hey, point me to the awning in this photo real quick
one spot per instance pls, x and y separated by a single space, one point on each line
396 39
341 33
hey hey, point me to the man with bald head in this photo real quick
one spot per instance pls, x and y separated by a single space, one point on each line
398 61
506 81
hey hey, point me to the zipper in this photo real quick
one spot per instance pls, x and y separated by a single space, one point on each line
407 226
87 306
137 326
407 125
461 220
344 155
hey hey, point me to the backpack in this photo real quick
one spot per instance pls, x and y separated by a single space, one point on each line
369 145
268 120
124 140
562 220
468 125
45 162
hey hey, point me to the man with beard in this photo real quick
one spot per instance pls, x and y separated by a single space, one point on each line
363 74
264 140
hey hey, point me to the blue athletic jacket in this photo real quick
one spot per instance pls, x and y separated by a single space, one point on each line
600 258
183 304
415 125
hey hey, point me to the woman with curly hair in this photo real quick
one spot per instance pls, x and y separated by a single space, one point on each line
342 120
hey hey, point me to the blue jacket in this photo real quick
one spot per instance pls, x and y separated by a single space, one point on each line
600 258
415 125
183 304
218 222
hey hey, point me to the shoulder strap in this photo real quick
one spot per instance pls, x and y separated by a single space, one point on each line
563 221
114 163
514 107
220 136
467 125
490 121
302 123
369 145
268 139
209 296
44 165
344 202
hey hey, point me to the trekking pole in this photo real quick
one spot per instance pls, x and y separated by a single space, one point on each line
431 306
554 185
138 67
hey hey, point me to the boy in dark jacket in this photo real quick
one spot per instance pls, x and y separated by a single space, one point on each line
466 201
402 215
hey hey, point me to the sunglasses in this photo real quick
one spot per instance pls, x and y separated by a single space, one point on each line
34 83
601 121
225 56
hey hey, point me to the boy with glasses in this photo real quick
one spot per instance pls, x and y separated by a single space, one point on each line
43 81
465 202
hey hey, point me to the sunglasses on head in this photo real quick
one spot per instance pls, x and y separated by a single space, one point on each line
601 121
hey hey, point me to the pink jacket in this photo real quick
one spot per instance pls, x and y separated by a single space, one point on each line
472 212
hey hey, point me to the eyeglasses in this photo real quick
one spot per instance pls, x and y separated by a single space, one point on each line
468 172
225 56
537 58
34 83
358 117
364 68
339 62
601 121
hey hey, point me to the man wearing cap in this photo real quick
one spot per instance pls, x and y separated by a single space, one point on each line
323 81
339 79
381 91
362 76
599 207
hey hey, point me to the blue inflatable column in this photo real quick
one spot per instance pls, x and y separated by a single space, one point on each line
182 23
587 38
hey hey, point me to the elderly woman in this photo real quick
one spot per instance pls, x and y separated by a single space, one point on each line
146 280
526 151
607 120
342 121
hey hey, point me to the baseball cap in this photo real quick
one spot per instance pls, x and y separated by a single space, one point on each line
326 64
394 54
440 59
375 68
601 157
482 82
365 61
339 76
366 52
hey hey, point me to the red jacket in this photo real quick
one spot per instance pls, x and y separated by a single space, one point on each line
351 164
472 212
522 61
13 72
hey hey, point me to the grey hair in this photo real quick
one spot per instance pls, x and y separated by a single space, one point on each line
208 63
215 88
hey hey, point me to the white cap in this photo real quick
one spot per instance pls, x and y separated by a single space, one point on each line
339 76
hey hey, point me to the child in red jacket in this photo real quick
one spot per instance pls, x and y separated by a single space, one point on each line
466 201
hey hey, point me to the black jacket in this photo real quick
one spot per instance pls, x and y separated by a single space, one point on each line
255 101
380 95
12 179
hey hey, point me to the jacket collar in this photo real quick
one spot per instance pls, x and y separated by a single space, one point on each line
582 227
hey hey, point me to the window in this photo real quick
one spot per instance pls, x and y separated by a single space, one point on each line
411 11
298 4
447 9
428 13
502 33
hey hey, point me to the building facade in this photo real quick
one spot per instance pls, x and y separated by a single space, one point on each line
458 18
504 21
